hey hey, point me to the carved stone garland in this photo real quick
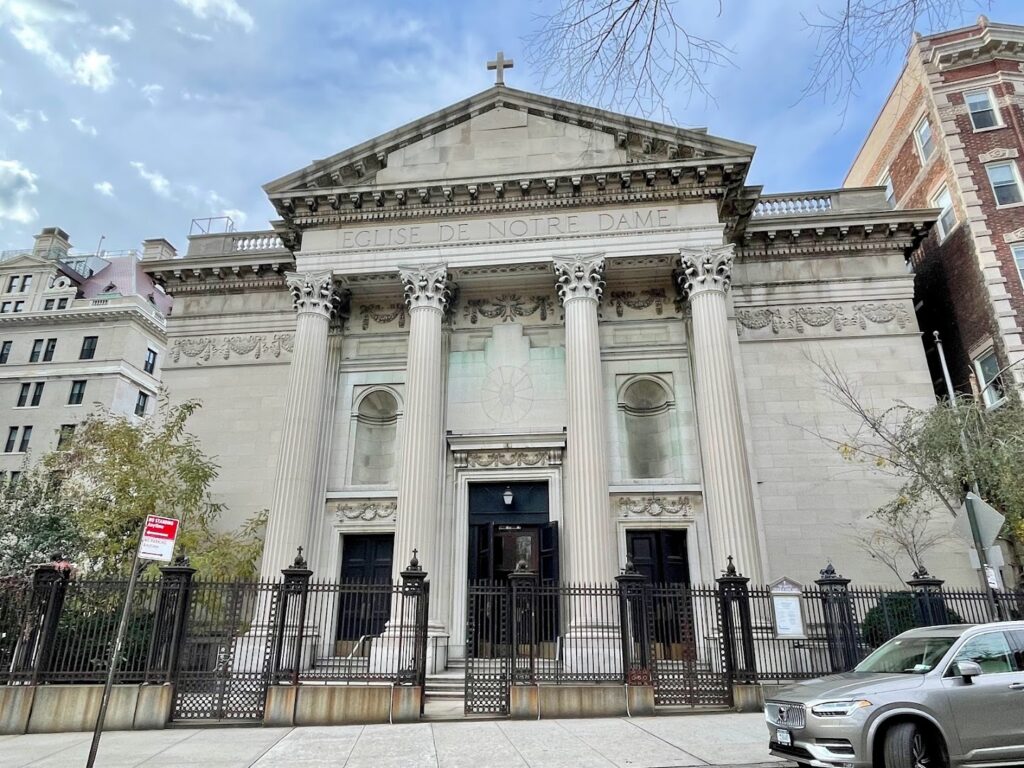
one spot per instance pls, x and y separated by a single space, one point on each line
508 307
367 511
639 300
205 348
656 506
382 314
838 317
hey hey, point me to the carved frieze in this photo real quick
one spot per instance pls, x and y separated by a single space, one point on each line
638 300
201 350
705 269
507 308
656 506
499 459
383 314
365 510
830 318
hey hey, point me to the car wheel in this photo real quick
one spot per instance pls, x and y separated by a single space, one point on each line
907 745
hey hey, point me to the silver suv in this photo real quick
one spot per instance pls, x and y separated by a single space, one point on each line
933 697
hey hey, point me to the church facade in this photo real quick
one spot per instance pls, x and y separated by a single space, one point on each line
523 332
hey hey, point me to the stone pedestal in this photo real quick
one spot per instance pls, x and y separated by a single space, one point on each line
298 460
704 279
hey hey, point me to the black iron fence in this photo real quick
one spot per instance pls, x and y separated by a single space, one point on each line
221 642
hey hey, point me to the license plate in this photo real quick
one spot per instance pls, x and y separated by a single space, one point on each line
783 738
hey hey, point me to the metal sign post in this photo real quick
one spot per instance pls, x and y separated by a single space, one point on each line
156 542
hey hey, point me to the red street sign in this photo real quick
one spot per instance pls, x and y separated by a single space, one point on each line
158 538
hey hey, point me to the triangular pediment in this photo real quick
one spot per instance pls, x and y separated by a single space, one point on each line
504 132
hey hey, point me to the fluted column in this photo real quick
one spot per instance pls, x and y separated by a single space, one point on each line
704 279
298 455
588 544
316 514
418 517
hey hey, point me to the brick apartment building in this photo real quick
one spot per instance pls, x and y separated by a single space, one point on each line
951 137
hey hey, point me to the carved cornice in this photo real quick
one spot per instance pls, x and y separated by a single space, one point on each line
580 277
314 292
656 506
829 318
364 510
201 350
499 459
507 308
426 286
638 300
705 269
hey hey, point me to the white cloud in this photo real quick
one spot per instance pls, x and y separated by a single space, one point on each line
95 70
122 29
156 180
152 92
83 127
196 36
34 41
228 10
17 183
104 188
21 122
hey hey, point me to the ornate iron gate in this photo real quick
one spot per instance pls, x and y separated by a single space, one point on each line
488 649
223 671
689 661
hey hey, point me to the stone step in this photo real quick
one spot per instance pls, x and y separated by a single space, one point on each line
444 695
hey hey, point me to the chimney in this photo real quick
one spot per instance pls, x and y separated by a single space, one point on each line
52 243
157 248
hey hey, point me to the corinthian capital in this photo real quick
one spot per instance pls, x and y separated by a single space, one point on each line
313 292
580 277
425 286
705 269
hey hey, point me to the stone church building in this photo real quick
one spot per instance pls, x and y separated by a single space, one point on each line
524 330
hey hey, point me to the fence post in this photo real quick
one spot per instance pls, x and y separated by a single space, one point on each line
175 591
635 651
414 585
732 591
522 582
49 586
296 584
840 627
929 603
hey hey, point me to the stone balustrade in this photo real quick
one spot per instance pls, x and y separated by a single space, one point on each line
227 243
782 205
824 201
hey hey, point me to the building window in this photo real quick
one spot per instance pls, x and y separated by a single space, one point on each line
947 216
12 440
982 109
890 193
150 365
67 431
23 395
37 350
1005 182
26 435
19 306
88 348
62 304
373 459
77 392
923 134
26 282
5 352
48 304
140 404
15 477
1018 257
13 282
5 307
37 393
648 421
51 347
990 382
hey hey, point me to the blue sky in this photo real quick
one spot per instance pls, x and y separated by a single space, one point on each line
127 118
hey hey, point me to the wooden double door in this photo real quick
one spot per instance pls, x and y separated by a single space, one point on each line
509 526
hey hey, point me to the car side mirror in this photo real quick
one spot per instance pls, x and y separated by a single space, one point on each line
968 670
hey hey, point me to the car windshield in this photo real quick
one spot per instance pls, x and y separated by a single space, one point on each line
907 655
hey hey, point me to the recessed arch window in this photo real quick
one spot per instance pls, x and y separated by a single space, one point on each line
647 405
376 431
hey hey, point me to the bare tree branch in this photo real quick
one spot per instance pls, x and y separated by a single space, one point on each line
622 54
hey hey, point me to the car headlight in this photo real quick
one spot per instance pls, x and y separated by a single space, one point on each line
839 708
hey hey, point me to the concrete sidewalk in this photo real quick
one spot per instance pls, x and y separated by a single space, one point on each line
650 742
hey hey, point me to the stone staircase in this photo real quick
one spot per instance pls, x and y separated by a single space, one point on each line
444 696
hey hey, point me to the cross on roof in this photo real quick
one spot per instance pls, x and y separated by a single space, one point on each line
500 64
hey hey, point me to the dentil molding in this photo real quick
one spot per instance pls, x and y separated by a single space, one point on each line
833 319
247 348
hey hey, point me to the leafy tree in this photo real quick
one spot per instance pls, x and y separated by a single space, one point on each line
935 453
36 522
115 470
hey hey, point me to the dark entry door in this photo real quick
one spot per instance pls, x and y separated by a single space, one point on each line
365 558
660 555
508 524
